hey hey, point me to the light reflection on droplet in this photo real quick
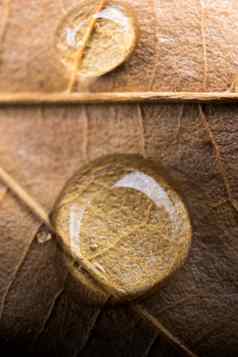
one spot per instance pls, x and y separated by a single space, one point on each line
75 218
146 184
116 15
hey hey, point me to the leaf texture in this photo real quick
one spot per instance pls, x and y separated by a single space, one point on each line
184 45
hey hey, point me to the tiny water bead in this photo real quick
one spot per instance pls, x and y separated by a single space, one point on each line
121 215
111 43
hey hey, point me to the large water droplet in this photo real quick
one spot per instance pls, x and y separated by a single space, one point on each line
125 219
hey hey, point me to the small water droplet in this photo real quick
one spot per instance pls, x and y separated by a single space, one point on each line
115 29
43 237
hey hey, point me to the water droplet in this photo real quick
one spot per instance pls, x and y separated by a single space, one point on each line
43 237
111 43
131 224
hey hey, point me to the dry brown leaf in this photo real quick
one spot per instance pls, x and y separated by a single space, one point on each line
42 146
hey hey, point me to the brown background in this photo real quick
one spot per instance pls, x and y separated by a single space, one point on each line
42 146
